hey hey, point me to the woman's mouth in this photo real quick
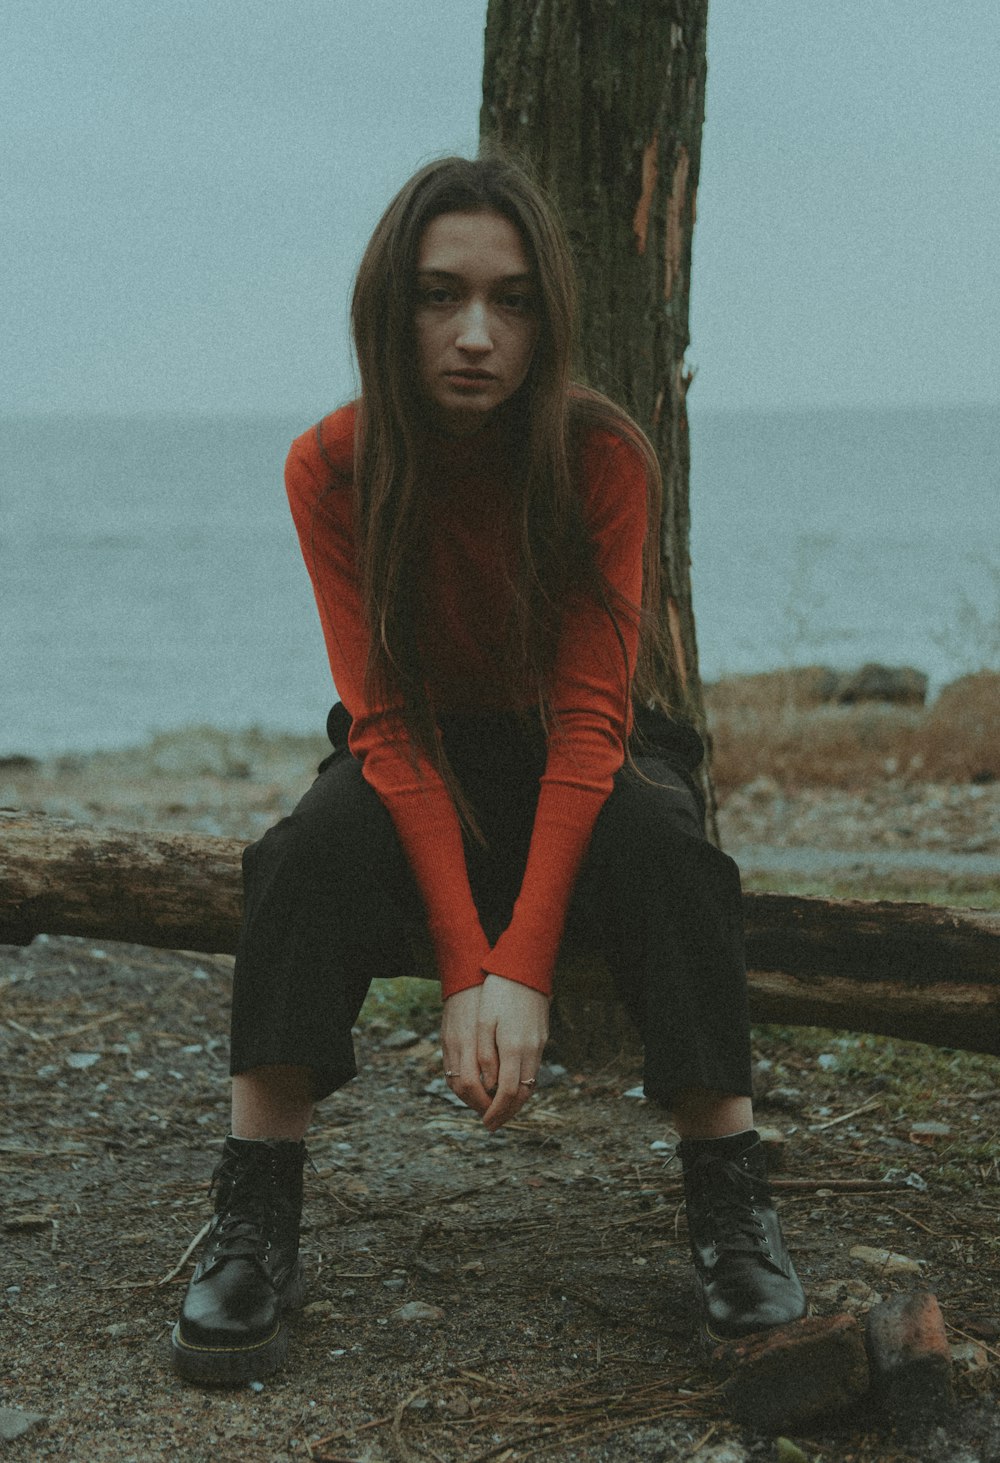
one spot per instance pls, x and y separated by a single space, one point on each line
469 378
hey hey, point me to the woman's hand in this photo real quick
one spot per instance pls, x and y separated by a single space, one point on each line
512 1030
460 1048
492 1038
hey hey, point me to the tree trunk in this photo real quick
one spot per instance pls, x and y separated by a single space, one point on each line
606 103
909 970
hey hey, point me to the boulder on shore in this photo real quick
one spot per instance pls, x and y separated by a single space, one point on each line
900 685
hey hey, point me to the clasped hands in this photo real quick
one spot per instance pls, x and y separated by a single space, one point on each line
492 1036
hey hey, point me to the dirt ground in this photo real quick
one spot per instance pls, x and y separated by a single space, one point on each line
549 1261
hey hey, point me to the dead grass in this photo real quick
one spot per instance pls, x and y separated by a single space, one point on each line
779 725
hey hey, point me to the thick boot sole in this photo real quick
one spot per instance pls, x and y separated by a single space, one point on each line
231 1366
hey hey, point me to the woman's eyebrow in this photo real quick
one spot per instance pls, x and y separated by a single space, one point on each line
449 274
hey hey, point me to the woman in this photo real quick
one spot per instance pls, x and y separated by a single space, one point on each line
482 541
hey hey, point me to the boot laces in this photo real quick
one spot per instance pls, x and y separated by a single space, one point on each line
251 1209
730 1195
238 1237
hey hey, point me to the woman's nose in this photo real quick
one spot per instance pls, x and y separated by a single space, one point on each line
474 327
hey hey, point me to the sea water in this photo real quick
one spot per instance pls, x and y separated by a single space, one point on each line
150 576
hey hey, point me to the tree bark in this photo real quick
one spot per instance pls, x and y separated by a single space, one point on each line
606 103
175 891
915 971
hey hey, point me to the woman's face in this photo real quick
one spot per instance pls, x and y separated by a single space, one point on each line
476 317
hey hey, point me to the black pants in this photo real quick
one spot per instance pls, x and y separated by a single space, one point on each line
330 904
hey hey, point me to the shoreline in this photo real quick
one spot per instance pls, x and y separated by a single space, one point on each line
859 801
799 687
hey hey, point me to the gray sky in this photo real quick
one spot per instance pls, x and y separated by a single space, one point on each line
187 185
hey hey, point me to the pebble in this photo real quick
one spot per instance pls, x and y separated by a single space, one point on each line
929 1132
398 1040
970 1356
14 1423
789 1452
886 1260
912 1180
549 1073
80 1061
439 1088
319 1308
419 1310
851 1294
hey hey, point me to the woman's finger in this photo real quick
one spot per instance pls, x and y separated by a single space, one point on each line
459 1028
468 1086
512 1092
503 1108
461 1071
489 1059
463 1076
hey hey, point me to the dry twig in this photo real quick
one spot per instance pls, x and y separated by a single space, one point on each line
844 1116
172 1274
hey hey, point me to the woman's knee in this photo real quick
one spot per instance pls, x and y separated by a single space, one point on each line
649 813
335 821
649 855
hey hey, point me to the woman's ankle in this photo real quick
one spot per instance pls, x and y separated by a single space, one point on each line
699 1114
272 1102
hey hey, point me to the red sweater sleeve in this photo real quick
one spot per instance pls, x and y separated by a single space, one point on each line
416 798
589 696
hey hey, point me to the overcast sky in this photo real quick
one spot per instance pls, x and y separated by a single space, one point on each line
187 186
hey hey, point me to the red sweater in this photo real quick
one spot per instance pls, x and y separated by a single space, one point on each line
467 598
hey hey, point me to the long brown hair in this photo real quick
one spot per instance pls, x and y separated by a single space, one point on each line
555 558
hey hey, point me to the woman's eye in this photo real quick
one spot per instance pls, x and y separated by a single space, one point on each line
436 295
520 302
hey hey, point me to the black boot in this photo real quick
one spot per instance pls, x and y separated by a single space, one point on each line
745 1277
231 1328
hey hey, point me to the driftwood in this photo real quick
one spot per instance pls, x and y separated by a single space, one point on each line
916 971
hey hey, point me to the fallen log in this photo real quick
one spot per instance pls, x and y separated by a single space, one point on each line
176 891
917 971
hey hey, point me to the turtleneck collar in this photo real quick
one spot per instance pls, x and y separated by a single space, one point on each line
495 440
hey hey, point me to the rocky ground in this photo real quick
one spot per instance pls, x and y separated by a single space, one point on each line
471 1298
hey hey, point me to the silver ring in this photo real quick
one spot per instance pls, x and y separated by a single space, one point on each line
451 1074
527 1082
